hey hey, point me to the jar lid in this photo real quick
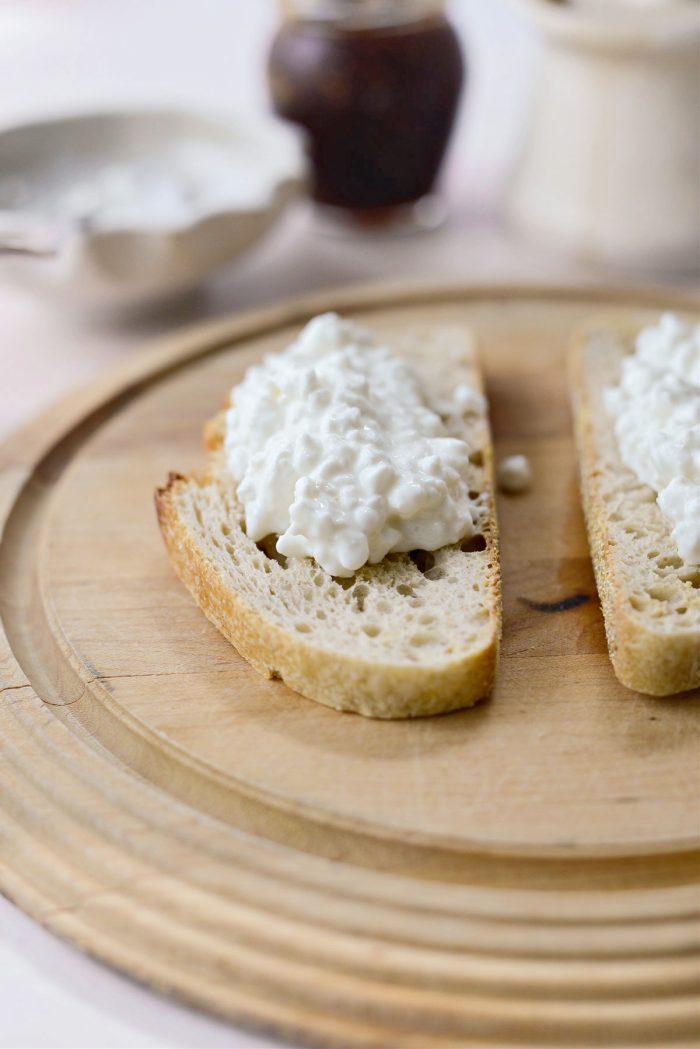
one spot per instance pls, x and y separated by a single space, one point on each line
361 13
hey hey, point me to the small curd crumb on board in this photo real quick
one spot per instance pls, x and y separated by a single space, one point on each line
514 474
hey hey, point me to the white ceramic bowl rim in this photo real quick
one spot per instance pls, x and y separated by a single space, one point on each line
112 259
283 170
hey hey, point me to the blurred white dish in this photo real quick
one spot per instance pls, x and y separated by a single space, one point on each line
610 168
120 207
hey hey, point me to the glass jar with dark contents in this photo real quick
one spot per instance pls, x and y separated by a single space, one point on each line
375 85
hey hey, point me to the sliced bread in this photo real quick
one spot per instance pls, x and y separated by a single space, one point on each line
414 635
650 598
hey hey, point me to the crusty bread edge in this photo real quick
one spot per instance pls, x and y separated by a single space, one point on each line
645 660
337 680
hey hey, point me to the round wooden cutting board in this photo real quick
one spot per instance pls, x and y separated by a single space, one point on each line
522 873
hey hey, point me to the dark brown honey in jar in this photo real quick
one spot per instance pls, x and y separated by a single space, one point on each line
375 85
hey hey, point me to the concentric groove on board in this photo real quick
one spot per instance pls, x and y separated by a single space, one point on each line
109 906
120 822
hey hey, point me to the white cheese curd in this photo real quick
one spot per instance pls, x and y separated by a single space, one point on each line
337 452
514 474
657 423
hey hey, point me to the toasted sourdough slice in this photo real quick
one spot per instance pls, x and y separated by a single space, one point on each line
416 634
650 599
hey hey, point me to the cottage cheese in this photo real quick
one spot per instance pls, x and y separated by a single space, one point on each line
514 474
657 423
338 453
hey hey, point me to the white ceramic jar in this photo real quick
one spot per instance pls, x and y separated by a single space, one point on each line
610 168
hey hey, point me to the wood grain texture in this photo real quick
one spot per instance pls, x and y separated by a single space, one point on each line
521 873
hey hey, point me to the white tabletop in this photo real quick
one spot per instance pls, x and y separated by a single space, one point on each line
86 53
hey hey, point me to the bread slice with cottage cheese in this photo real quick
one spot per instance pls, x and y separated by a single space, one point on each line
650 598
414 635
